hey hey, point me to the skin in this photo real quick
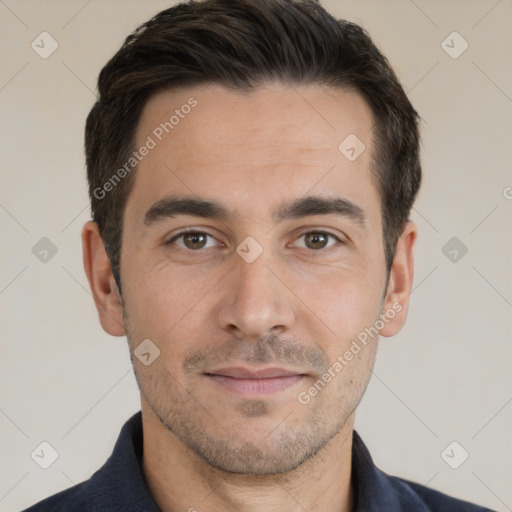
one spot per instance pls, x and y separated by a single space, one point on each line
298 305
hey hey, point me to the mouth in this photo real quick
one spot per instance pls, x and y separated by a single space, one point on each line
252 382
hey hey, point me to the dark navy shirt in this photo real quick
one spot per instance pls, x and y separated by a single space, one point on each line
120 486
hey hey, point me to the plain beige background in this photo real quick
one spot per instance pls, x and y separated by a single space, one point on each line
444 378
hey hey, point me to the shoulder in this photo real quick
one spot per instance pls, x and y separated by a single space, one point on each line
377 490
416 495
117 485
70 500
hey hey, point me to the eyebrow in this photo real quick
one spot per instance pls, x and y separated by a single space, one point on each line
317 205
173 206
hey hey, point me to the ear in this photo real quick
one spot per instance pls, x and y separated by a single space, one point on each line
396 302
101 281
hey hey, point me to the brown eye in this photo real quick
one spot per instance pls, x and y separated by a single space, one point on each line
316 240
195 240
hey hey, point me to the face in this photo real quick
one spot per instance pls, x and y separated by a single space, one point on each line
252 258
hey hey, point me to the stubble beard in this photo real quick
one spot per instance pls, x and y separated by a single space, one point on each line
286 447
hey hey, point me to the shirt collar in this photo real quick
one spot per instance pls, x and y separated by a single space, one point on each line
120 483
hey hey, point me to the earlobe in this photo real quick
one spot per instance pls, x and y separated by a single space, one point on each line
396 303
101 281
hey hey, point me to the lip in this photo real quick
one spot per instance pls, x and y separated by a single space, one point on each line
261 381
240 372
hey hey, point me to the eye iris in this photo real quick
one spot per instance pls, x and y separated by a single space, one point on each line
316 240
195 240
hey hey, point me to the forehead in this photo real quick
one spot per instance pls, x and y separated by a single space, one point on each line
238 147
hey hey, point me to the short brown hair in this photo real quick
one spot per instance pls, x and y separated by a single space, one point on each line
243 44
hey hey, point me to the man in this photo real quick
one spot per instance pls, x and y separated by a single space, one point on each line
251 166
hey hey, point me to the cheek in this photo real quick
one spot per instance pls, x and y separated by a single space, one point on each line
169 306
345 302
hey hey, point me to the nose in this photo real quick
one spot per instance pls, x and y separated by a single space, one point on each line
256 302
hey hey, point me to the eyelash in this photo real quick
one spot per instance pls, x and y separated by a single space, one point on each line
330 236
185 232
196 231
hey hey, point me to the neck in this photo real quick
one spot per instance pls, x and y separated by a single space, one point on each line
180 480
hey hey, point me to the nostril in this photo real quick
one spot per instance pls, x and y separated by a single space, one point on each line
234 330
277 329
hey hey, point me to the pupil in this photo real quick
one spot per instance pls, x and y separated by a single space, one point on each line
195 240
316 240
